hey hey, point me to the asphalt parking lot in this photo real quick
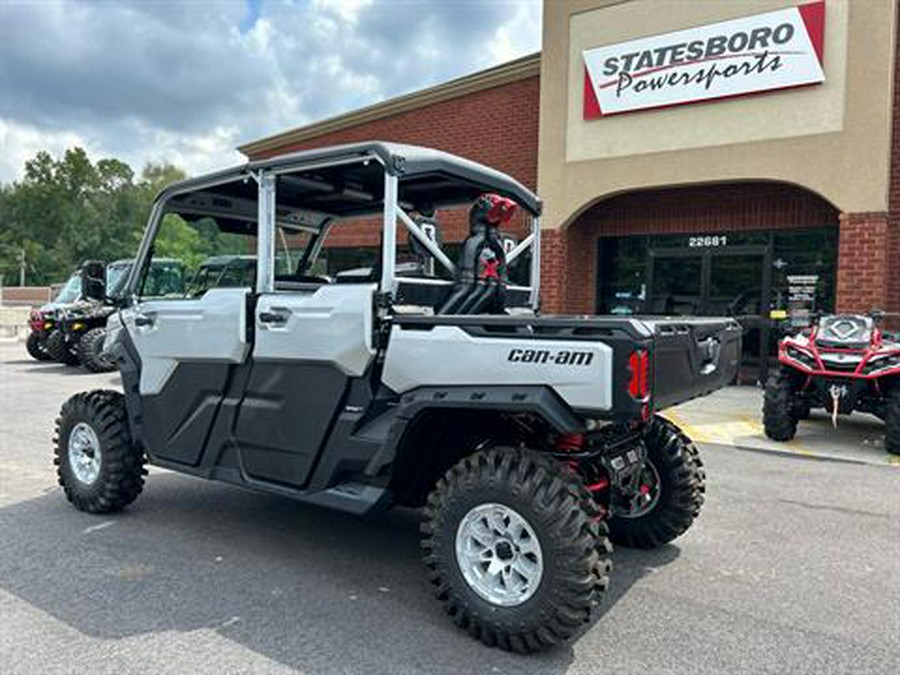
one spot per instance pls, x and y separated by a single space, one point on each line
793 567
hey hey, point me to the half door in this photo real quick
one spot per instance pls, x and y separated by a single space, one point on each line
310 343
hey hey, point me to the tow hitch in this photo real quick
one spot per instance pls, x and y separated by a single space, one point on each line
837 391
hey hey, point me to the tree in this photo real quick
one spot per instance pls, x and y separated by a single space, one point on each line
66 210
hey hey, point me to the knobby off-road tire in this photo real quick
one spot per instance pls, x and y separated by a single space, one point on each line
55 345
98 466
803 410
677 485
90 352
892 420
59 351
779 418
36 347
510 487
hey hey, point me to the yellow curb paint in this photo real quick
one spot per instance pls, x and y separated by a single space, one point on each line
792 445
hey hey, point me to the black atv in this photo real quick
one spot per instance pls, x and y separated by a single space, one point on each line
43 320
46 342
844 363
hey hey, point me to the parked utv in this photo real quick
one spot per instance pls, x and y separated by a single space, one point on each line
223 271
530 441
43 321
82 325
843 364
46 341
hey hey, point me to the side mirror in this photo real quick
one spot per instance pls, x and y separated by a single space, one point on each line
94 289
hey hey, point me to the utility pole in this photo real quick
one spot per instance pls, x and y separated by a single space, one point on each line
22 269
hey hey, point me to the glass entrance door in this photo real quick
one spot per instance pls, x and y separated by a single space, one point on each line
732 281
738 286
675 283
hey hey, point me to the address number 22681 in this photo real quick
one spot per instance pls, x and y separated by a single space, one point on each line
708 241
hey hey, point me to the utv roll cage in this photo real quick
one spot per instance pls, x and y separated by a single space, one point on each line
309 191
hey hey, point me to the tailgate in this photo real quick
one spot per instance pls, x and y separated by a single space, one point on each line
692 356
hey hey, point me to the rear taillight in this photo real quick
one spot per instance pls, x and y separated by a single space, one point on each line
639 384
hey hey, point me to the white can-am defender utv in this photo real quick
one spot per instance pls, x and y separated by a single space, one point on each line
529 440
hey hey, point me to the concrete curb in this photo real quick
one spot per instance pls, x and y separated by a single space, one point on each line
813 456
731 417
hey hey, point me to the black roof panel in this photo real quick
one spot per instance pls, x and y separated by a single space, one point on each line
425 175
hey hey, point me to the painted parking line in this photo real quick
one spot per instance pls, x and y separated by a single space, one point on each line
723 432
745 432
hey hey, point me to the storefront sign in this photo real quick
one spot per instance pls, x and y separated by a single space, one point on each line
802 288
801 298
775 50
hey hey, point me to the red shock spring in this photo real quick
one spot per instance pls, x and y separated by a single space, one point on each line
574 443
569 442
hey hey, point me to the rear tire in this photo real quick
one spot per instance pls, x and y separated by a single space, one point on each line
678 471
892 421
97 464
36 347
552 585
779 419
90 352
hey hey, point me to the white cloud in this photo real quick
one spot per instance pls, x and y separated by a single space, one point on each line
20 142
347 10
185 82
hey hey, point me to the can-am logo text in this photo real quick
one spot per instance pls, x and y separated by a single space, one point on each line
767 51
561 358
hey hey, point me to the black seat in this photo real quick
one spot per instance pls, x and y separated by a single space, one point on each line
481 275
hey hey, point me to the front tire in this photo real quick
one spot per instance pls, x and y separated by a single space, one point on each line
59 351
98 466
90 352
516 549
892 421
779 418
36 346
675 482
56 345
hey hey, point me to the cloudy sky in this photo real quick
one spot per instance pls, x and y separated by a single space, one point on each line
188 80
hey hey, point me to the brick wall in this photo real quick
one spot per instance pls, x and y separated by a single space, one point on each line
892 264
863 256
24 295
497 127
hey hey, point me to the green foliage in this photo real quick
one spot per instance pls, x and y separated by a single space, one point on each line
69 209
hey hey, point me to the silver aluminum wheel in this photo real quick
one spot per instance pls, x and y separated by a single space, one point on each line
84 453
499 555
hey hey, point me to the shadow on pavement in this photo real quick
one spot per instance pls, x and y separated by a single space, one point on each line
307 587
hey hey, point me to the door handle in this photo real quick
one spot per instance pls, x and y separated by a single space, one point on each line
144 319
273 317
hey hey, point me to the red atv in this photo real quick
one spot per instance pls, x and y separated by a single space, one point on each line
844 363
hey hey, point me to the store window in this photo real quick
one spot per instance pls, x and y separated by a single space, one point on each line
622 275
804 264
716 274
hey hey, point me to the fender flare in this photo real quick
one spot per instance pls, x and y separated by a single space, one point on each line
537 399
